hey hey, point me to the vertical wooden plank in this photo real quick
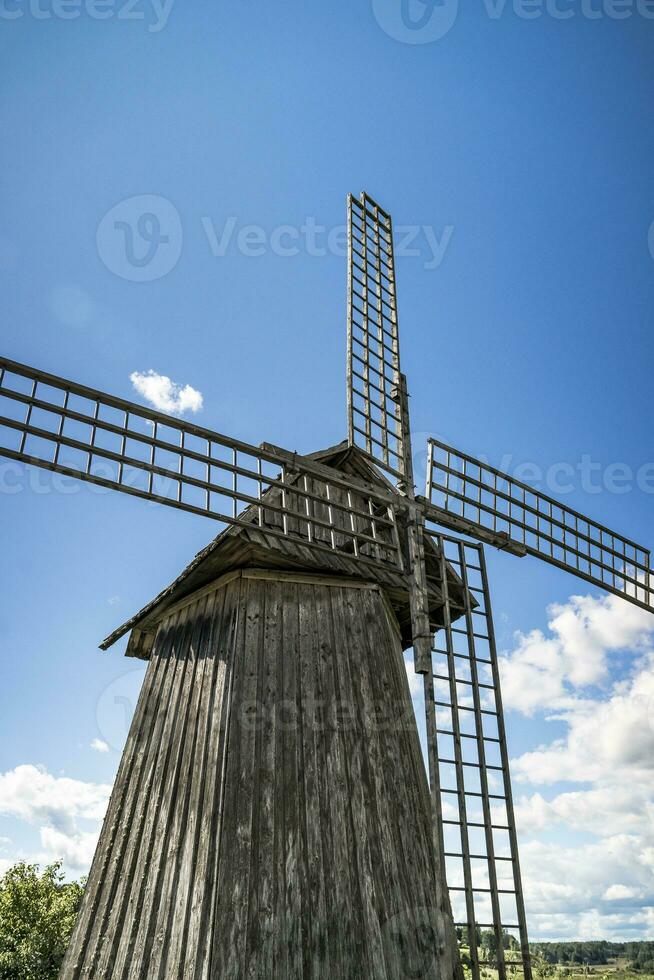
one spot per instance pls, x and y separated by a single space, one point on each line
376 882
154 855
364 933
103 941
114 822
291 841
238 834
193 891
202 928
316 954
124 876
385 764
264 894
335 802
181 818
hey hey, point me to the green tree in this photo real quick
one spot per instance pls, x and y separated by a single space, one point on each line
37 914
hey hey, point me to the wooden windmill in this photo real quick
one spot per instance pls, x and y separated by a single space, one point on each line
271 816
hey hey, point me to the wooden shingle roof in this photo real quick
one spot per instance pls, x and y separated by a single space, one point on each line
250 546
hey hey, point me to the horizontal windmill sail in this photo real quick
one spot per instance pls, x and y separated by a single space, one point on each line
83 433
471 497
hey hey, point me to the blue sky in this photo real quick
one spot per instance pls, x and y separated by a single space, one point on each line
524 148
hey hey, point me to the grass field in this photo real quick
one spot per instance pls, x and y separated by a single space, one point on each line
612 970
617 969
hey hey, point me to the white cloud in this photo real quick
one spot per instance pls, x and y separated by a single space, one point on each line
75 850
613 735
33 794
66 811
416 685
603 889
166 395
98 745
549 671
588 857
618 893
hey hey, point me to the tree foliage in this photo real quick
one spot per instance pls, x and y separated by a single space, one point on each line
37 914
640 955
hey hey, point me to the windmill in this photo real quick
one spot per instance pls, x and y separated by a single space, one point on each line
271 815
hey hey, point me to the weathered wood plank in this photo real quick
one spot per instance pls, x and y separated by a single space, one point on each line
271 815
201 927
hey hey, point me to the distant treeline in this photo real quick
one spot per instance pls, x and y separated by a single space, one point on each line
639 955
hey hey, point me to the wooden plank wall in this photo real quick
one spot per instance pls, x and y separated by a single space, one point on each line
270 818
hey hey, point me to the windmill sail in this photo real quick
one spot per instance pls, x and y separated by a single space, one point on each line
469 496
83 433
374 389
472 810
469 775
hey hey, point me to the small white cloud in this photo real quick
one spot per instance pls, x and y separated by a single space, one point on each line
99 746
619 893
113 600
166 395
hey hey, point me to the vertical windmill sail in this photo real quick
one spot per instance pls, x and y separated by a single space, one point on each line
470 770
470 785
374 397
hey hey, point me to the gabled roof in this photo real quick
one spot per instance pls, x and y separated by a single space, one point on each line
251 547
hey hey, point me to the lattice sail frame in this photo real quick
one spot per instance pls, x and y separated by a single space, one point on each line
379 425
470 496
469 769
83 433
374 399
